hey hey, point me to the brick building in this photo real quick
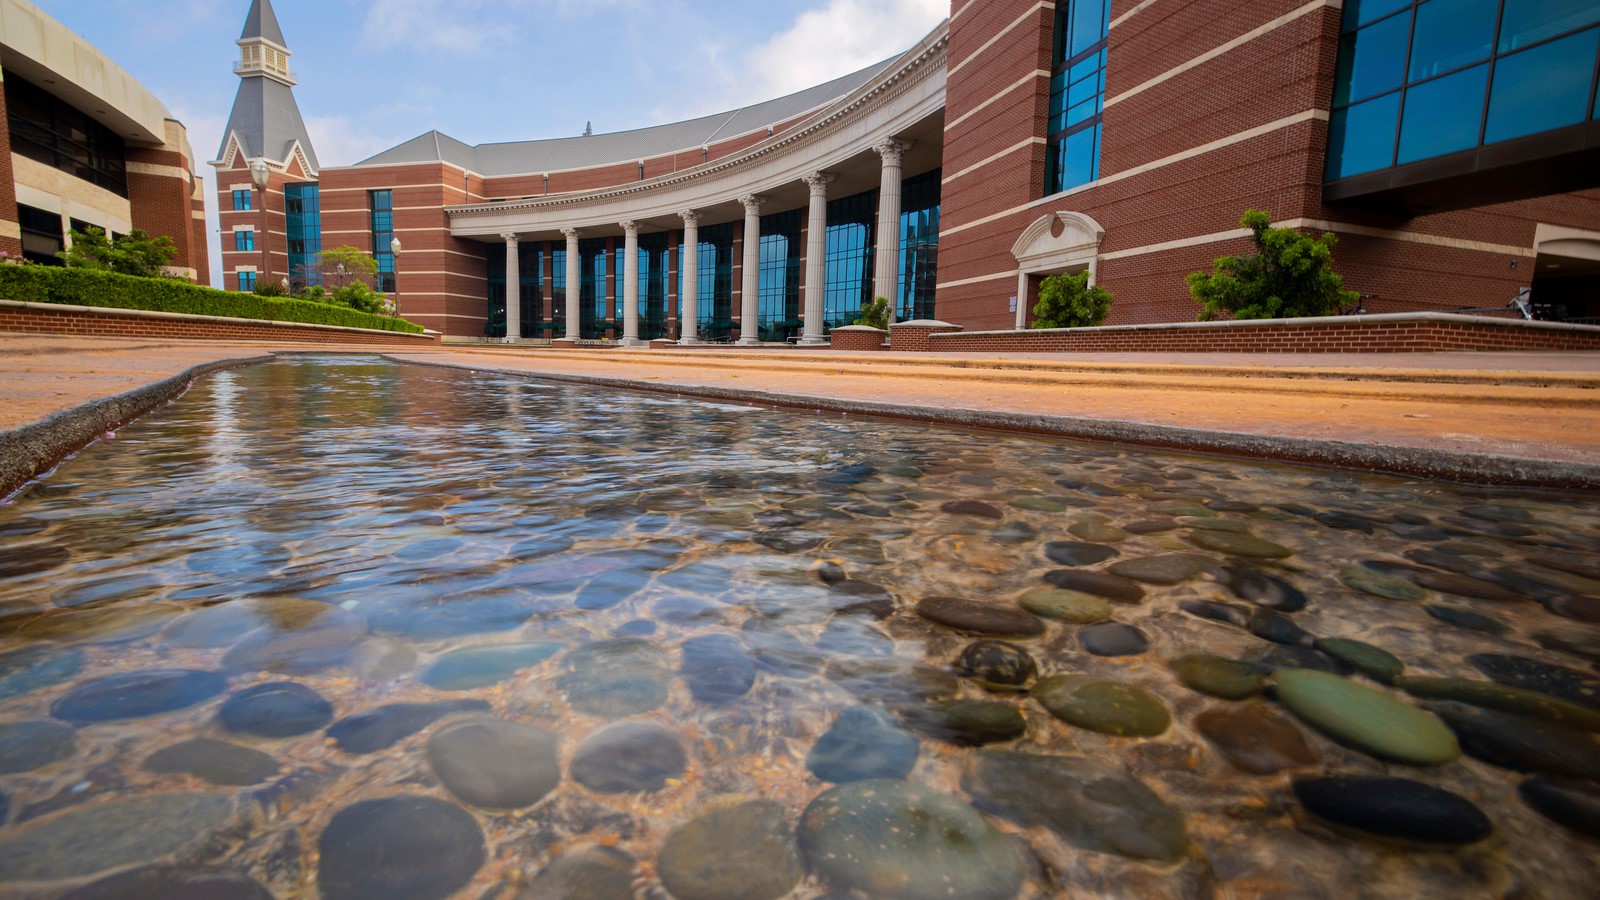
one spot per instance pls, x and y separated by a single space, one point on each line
87 145
1452 145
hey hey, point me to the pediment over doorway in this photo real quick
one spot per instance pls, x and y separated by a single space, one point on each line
1040 249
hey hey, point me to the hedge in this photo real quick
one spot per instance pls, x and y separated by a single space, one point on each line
108 290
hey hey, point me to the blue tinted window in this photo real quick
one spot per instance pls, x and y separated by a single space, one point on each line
1361 138
1372 60
778 297
1529 21
1443 115
1077 95
1543 88
1360 12
1450 34
851 243
244 240
247 281
241 200
1075 159
1088 24
919 247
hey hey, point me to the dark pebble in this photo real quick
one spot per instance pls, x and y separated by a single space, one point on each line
1533 675
636 628
1575 804
1077 553
1522 743
135 695
966 723
276 710
25 746
1263 589
997 665
1113 639
974 508
863 743
1395 807
979 617
1227 613
1466 618
405 847
1101 584
171 883
386 726
628 757
585 872
717 668
217 762
1274 626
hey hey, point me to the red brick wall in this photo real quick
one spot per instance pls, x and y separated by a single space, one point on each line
163 205
113 324
266 216
8 186
849 339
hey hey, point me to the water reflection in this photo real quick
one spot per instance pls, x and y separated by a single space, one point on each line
334 627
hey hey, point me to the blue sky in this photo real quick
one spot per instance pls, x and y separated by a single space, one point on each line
374 73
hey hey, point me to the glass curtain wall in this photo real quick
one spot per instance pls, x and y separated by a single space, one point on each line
919 247
715 310
303 204
653 263
558 288
778 300
1423 78
1077 94
530 264
382 205
851 243
592 264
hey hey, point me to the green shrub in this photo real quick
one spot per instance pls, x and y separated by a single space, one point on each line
1289 275
270 289
108 290
358 295
875 313
135 253
1068 301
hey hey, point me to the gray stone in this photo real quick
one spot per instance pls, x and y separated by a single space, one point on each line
1091 805
406 847
616 678
25 746
1075 553
1113 639
863 743
217 762
386 726
979 618
1100 584
300 644
475 667
629 756
171 883
717 668
1170 568
741 852
135 695
1274 626
37 666
1263 589
893 839
966 723
586 872
275 710
110 835
496 764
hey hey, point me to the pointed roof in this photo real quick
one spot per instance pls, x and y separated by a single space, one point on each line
262 22
267 122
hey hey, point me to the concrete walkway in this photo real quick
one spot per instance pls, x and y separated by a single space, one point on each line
1525 418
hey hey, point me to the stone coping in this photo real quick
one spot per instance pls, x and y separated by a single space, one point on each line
1367 319
427 334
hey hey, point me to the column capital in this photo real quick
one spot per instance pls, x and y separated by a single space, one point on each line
819 181
891 150
689 217
752 204
571 234
509 237
630 227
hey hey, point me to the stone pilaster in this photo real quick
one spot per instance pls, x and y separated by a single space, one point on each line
886 271
630 285
749 307
816 257
689 302
513 288
574 289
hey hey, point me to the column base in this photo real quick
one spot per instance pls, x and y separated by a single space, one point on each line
747 342
509 340
563 343
632 342
689 342
812 340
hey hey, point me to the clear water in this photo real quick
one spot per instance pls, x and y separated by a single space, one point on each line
343 523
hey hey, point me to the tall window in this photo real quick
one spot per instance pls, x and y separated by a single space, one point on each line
304 207
46 129
1424 78
715 307
247 281
241 200
41 235
919 247
382 203
653 260
244 240
778 300
1077 94
592 264
530 289
558 288
851 242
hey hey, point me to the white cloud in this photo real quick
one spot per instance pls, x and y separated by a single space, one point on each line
340 142
461 26
839 38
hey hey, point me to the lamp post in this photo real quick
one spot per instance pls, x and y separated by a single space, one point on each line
394 247
259 176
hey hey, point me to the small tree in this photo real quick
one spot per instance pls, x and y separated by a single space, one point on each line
875 314
359 296
1289 275
345 265
135 253
271 289
1069 301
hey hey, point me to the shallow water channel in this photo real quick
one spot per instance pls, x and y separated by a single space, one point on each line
336 627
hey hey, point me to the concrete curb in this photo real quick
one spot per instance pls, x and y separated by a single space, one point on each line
1441 465
32 450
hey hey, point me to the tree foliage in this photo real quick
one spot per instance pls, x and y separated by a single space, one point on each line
359 296
346 265
1289 275
270 289
875 313
1069 301
135 253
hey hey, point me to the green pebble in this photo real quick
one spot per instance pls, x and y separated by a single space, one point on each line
1066 606
1379 585
1373 662
1504 698
1108 707
1366 719
1218 677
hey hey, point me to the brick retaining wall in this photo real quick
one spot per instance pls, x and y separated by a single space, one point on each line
856 337
36 318
1399 333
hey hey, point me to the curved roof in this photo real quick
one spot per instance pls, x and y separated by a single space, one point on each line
556 154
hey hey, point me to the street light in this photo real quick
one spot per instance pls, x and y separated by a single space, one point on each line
394 247
259 175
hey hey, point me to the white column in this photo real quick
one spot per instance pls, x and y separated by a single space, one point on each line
513 289
886 272
574 290
630 285
749 307
1022 299
816 256
689 297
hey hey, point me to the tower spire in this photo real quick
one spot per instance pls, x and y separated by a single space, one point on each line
262 49
266 122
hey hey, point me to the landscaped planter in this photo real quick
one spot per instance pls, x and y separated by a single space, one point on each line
857 337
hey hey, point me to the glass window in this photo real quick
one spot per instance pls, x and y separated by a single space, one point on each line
778 300
303 207
1443 115
1372 60
1361 138
382 205
41 235
1527 22
919 247
241 200
247 281
654 256
1360 12
851 244
1450 34
1542 88
558 287
244 240
1089 19
1077 94
49 130
1075 159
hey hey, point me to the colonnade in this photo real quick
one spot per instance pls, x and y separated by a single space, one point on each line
886 278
